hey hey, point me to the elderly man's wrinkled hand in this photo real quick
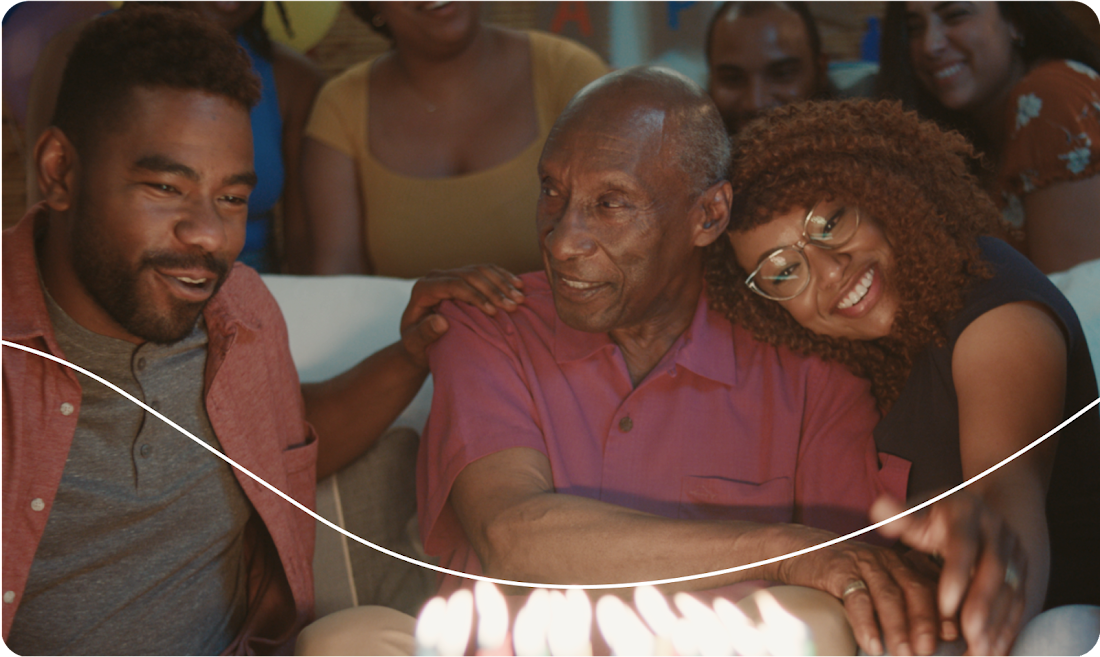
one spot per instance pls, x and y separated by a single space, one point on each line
488 287
984 565
889 596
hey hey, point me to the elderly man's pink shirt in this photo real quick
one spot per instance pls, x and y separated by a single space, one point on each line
724 427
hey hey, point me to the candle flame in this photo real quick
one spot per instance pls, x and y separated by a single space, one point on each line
783 633
457 622
529 633
746 638
709 634
429 626
492 616
655 610
570 623
625 633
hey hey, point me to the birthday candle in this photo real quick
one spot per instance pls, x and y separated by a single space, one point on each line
529 633
710 635
783 633
569 632
492 619
683 639
653 608
457 622
747 640
625 633
429 626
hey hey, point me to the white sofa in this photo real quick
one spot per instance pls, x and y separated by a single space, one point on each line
334 322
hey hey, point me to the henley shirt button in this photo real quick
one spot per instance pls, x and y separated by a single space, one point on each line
67 408
9 597
146 450
626 424
141 363
37 504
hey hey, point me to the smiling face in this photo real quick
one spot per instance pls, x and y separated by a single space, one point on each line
158 215
962 52
849 293
761 61
615 221
431 28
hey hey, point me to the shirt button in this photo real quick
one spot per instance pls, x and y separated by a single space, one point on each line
141 363
37 504
9 597
626 424
67 408
146 450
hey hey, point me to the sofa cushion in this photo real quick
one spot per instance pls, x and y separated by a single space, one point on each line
334 322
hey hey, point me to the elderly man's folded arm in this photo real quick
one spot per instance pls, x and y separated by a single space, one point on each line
521 529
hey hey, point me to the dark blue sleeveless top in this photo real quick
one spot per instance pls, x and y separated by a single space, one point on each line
923 425
267 156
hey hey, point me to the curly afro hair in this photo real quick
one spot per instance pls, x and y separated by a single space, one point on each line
906 173
148 47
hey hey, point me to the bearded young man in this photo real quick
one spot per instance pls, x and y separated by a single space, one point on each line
119 534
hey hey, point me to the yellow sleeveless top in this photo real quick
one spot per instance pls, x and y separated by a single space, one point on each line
414 225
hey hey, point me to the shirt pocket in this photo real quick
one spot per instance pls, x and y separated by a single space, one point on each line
716 498
300 465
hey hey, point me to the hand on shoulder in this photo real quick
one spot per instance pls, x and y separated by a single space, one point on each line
487 287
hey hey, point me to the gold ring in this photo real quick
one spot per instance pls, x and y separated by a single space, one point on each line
853 586
1012 577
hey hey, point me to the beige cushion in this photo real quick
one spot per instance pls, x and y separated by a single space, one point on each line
333 323
375 499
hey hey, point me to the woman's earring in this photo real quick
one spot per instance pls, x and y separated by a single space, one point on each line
378 20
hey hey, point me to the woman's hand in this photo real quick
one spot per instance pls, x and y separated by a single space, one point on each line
486 286
984 565
898 588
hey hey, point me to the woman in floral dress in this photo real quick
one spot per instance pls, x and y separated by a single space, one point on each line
1020 80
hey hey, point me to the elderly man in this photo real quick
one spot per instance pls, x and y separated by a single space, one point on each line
762 55
615 429
121 535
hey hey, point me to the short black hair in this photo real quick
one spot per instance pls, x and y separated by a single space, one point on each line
752 8
146 47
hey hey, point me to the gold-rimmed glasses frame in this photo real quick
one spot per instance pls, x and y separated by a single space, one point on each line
799 250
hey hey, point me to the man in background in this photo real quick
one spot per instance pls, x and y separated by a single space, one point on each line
762 55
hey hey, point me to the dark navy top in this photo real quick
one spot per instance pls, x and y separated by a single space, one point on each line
923 425
267 149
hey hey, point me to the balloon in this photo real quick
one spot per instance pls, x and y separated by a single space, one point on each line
310 21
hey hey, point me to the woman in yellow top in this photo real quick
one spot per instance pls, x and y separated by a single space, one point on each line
425 157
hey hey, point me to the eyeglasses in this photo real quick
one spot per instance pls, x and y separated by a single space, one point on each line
785 272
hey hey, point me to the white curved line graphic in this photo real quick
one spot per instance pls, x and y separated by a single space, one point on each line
440 569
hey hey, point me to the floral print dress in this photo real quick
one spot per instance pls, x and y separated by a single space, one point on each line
1055 133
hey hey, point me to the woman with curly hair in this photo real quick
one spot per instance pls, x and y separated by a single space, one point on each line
858 234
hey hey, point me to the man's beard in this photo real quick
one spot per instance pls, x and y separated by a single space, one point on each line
117 287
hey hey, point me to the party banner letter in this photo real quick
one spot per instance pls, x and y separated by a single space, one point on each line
572 12
674 8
